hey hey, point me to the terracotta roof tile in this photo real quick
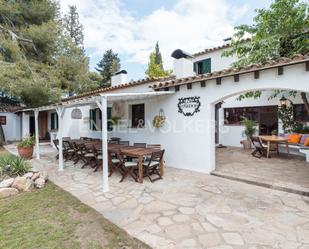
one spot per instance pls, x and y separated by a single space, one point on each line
283 61
209 50
112 88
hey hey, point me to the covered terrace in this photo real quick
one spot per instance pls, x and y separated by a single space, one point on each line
101 101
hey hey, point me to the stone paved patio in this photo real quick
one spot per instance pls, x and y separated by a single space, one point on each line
191 210
279 171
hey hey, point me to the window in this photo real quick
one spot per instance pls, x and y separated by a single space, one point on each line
233 116
109 119
95 120
138 115
54 121
2 120
203 67
300 113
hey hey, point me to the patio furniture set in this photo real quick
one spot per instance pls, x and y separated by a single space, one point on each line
264 145
138 160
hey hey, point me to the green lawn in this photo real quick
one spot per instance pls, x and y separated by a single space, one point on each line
53 218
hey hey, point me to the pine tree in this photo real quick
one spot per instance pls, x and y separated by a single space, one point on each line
73 28
107 66
155 65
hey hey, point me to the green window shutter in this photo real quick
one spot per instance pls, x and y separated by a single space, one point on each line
94 115
52 121
57 121
195 67
91 119
207 66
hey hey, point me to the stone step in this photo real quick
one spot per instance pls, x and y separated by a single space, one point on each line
262 182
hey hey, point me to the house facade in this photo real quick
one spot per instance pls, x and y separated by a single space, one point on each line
194 123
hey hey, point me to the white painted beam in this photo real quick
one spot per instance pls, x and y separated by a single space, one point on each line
60 111
37 136
103 108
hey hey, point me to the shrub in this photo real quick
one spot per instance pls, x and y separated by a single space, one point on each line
27 142
250 127
18 165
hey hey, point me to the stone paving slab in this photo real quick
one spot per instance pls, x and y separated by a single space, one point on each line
279 172
190 210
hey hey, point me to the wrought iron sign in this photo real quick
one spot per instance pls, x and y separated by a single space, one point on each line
189 106
76 114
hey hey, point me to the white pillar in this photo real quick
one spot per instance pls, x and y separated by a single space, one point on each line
60 112
103 108
37 136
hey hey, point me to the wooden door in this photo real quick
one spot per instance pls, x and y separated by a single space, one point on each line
43 125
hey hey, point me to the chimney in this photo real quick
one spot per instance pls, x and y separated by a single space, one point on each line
119 78
183 65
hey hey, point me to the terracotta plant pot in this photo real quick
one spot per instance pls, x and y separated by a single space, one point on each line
246 143
26 152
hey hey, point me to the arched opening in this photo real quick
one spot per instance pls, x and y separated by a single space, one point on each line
286 166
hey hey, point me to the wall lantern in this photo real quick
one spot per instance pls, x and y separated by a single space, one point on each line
283 102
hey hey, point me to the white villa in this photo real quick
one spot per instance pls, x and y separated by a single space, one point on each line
198 102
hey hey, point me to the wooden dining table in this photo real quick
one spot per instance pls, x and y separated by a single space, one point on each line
275 140
134 152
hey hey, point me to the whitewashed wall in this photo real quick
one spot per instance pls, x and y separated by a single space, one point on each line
217 61
12 129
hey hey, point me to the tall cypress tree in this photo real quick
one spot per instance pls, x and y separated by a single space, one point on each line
158 56
155 65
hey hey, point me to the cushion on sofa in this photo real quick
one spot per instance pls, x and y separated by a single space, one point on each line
294 138
306 143
303 138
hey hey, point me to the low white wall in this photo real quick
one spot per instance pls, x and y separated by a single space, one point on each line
12 129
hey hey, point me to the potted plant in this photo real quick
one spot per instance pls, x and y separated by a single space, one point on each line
25 147
274 133
250 130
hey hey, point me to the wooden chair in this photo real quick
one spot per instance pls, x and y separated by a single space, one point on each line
127 143
97 158
114 164
154 146
68 150
140 145
113 142
126 168
56 144
259 149
152 166
87 156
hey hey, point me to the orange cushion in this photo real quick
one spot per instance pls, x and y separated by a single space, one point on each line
306 143
294 138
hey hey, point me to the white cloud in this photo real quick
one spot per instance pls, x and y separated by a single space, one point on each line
191 25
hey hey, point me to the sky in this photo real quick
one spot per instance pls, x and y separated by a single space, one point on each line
131 28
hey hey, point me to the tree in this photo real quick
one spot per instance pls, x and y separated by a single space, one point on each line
73 28
155 65
279 31
107 66
38 60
